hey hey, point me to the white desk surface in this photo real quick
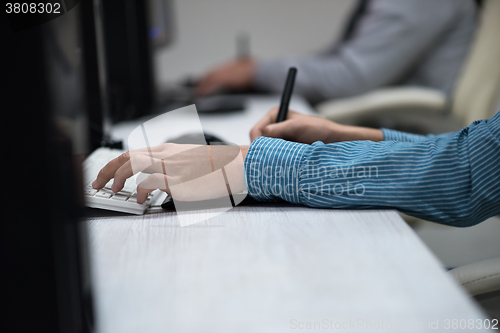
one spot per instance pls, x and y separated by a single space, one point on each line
268 268
257 269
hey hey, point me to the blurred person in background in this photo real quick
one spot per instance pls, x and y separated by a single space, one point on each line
385 43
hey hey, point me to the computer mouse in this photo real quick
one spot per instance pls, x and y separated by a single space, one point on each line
209 138
220 104
195 138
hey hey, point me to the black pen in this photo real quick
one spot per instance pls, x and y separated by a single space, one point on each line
287 94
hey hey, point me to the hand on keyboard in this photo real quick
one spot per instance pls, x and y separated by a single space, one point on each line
185 172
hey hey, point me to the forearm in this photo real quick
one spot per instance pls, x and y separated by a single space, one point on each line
320 77
357 133
341 133
450 180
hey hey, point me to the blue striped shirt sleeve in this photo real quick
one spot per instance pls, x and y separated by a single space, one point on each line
452 179
392 135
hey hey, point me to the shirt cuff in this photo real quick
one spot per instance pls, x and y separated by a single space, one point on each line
272 169
392 135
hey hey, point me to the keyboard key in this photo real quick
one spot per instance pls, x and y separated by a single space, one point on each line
89 191
120 197
129 187
134 200
104 194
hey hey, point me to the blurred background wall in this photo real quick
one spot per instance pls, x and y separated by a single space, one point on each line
206 31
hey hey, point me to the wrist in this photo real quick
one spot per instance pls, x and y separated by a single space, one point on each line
244 150
339 133
356 133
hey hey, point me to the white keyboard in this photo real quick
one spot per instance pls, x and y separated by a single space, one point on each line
124 201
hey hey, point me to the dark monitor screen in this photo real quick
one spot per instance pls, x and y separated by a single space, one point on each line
160 23
55 93
45 102
133 31
65 71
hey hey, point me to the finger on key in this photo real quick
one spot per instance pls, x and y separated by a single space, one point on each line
148 185
109 170
136 163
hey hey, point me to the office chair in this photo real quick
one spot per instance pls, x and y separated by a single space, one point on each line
425 110
481 279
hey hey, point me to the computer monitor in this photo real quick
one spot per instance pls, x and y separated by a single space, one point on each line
133 31
48 85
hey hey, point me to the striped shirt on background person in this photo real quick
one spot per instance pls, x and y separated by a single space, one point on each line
452 178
